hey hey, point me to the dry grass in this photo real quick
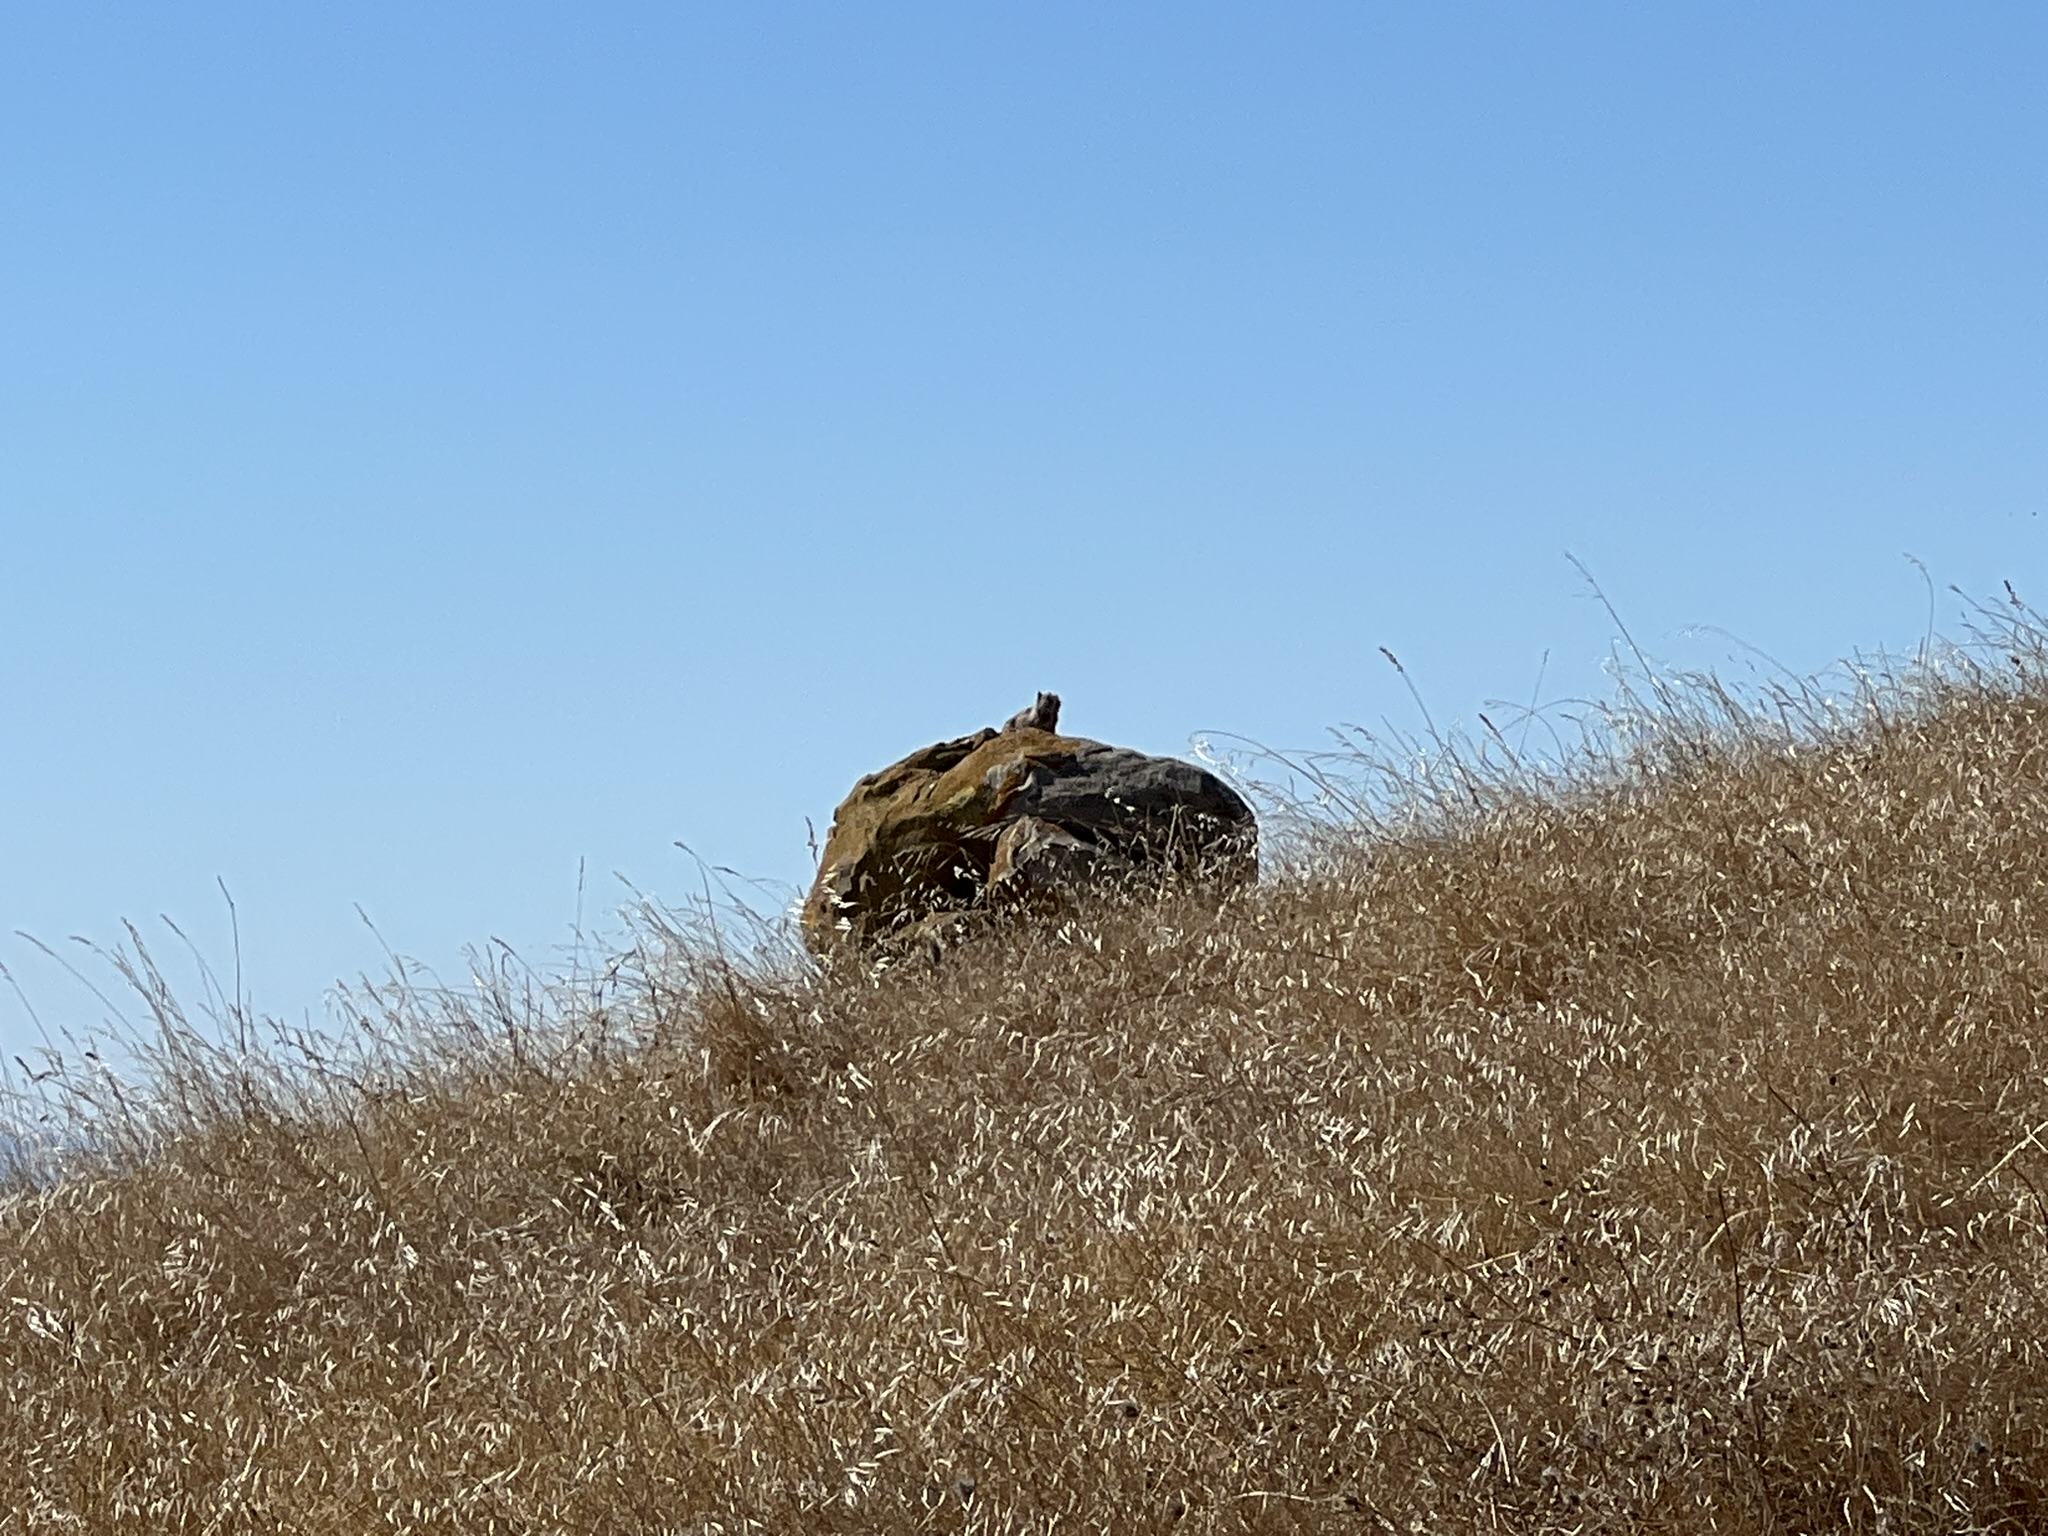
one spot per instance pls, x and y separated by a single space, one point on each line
1649 1145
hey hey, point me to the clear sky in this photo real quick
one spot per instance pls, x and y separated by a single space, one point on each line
442 445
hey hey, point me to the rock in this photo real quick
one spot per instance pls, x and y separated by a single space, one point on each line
1001 818
1035 857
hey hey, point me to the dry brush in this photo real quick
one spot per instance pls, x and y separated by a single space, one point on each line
1655 1143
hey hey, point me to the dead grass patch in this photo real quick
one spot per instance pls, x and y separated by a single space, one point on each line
1649 1143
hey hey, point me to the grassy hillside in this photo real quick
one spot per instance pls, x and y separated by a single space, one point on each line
1650 1146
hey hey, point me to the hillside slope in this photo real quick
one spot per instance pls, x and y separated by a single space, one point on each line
1652 1150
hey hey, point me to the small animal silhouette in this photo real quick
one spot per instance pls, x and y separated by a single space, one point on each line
1043 715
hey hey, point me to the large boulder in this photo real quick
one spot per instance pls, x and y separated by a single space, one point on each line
1004 817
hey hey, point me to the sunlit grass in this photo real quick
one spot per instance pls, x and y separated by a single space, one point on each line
1639 1139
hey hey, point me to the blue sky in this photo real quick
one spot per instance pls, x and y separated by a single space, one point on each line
442 446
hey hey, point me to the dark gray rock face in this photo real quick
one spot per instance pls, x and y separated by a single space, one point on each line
1145 808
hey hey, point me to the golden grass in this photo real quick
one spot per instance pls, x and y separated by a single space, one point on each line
1650 1145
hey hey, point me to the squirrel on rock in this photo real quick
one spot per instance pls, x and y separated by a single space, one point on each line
1043 715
